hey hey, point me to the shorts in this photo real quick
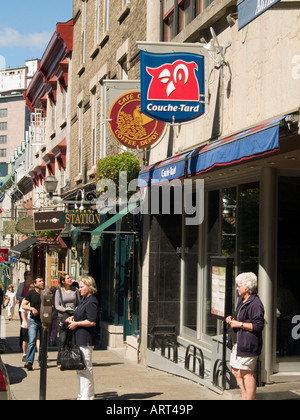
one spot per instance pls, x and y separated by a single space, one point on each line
243 363
24 335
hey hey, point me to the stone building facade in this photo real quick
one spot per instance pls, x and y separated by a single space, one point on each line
249 198
104 48
105 35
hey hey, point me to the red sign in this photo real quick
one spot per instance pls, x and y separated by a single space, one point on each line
130 126
174 82
3 254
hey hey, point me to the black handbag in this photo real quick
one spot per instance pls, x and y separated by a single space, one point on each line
72 358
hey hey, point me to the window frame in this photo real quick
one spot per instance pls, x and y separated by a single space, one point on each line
3 114
173 19
3 126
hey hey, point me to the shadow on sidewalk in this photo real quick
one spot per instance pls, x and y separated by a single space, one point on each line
16 374
135 396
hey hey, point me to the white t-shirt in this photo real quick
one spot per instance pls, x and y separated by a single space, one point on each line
27 313
11 297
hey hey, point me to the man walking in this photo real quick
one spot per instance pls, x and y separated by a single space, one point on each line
32 303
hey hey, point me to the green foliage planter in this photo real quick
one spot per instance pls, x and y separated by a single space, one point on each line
47 234
109 168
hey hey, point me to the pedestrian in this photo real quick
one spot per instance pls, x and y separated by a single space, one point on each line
67 299
12 301
1 299
22 291
23 287
53 329
24 330
245 340
32 303
83 326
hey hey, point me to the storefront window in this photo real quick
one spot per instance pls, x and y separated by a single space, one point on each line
288 291
229 222
248 228
191 278
232 230
213 248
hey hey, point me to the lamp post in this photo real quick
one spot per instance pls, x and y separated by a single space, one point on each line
51 185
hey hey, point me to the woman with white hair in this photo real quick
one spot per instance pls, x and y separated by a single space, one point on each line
246 324
83 324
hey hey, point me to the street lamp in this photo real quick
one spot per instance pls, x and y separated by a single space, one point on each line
51 185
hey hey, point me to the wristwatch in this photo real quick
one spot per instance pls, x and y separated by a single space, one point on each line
242 326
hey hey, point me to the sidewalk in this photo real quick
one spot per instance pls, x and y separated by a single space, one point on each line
116 378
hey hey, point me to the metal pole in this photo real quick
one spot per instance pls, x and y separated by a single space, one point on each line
43 370
224 367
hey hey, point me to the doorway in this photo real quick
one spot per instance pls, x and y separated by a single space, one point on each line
288 275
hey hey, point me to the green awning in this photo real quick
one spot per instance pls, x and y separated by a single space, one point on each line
96 234
7 181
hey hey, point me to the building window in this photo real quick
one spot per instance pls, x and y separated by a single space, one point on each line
83 29
80 139
2 152
123 68
3 113
106 15
177 14
98 21
3 139
94 126
3 126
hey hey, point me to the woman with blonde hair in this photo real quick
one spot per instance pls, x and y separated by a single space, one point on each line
83 325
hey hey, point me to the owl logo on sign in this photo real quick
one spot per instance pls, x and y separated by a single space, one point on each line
174 82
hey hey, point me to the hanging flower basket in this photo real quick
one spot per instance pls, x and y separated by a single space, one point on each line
109 168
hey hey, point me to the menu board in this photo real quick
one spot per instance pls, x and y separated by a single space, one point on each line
221 285
218 290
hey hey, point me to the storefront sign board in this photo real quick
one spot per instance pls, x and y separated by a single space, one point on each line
173 85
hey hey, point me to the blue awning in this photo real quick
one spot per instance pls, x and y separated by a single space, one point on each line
167 170
246 145
235 149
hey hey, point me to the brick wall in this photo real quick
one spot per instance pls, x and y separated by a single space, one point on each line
126 26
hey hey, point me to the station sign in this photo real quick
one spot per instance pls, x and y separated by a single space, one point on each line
173 86
130 126
80 218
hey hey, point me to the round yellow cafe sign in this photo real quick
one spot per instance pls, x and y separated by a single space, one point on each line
130 126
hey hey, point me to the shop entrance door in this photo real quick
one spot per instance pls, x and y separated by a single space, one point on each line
126 284
288 277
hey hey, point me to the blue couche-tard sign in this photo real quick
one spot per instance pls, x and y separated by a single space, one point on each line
172 84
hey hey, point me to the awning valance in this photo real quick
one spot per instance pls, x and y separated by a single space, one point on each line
243 146
17 250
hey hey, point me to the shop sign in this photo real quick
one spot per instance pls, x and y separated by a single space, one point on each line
9 227
47 220
173 84
4 254
25 226
80 218
249 10
130 126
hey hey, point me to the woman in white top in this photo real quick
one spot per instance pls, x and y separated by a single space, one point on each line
11 296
